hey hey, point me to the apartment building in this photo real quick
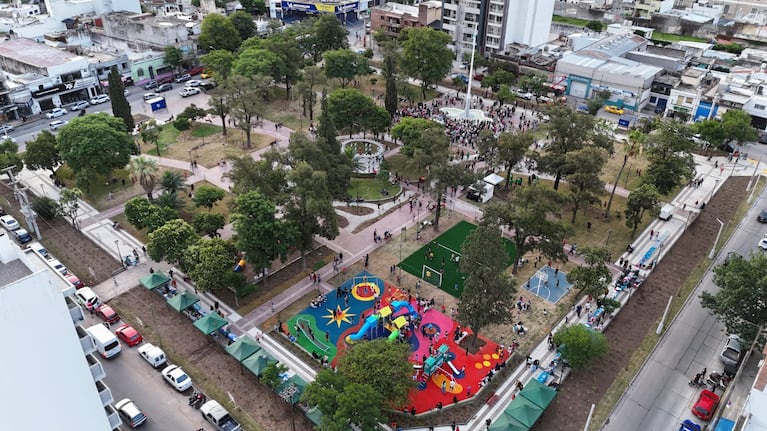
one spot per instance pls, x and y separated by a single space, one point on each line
52 379
392 18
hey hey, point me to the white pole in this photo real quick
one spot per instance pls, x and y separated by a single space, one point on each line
665 314
588 419
471 74
712 253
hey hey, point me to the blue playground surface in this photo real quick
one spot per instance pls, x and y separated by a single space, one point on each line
549 284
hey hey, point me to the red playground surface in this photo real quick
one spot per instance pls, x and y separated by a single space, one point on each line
444 372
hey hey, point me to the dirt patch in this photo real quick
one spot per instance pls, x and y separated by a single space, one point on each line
341 221
360 211
86 260
632 324
206 361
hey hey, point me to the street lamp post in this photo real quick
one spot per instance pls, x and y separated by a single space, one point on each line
119 254
712 253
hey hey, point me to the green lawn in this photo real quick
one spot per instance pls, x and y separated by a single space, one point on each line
400 165
202 130
370 188
572 21
439 256
668 37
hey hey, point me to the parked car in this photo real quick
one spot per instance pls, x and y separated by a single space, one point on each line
54 125
689 425
763 242
101 98
525 94
195 70
762 217
205 75
129 335
545 99
217 415
479 77
706 405
177 378
150 95
189 91
56 112
193 83
164 87
75 281
763 139
207 85
731 353
107 314
80 105
22 236
131 414
10 223
183 78
614 109
6 128
150 85
88 298
152 354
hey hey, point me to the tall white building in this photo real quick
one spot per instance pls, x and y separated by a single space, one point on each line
51 378
498 23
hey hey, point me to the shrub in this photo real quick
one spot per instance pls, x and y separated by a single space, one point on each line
46 207
182 124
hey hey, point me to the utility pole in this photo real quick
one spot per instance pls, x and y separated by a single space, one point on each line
20 192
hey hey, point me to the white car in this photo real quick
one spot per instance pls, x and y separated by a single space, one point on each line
56 112
88 298
7 128
193 83
130 413
189 91
177 378
80 105
56 124
525 94
150 95
10 223
763 242
101 98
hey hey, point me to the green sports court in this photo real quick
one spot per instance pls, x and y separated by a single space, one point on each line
441 266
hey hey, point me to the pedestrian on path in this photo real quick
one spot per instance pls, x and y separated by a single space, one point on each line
272 307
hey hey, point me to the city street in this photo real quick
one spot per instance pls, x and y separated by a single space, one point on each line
659 397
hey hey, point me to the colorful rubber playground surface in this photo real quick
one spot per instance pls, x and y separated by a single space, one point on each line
349 315
438 261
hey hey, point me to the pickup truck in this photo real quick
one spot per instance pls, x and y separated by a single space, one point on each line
217 415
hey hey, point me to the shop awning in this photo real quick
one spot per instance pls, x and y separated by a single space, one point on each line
538 393
154 280
183 300
243 348
210 323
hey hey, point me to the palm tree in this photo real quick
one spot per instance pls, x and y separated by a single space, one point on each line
144 171
171 181
170 200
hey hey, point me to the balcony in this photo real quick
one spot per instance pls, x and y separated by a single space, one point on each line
85 340
105 393
113 417
97 371
75 311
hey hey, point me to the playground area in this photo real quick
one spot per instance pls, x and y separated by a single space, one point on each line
549 283
438 262
365 307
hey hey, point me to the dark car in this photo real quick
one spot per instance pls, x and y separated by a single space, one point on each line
183 78
763 139
164 87
762 217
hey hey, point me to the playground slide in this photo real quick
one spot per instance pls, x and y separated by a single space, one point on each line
370 322
398 305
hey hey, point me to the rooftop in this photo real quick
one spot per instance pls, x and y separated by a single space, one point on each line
12 271
36 54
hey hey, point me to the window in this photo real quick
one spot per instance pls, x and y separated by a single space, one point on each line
653 99
140 72
688 100
759 107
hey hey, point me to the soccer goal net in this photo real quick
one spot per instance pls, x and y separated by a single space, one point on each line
431 275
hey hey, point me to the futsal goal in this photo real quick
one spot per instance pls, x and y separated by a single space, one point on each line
431 275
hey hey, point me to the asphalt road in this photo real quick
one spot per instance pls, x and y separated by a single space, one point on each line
659 397
130 376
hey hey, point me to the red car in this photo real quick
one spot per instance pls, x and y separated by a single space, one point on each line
706 405
129 335
195 70
107 314
74 281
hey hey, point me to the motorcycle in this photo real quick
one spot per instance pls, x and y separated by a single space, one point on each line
719 380
193 398
201 398
699 379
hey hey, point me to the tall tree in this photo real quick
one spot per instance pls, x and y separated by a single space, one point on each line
569 131
310 207
41 152
172 181
143 214
581 345
425 55
263 176
243 23
391 373
246 103
220 102
322 157
328 34
9 155
310 79
149 132
345 65
532 213
120 106
96 144
358 405
593 277
737 125
586 186
351 110
207 196
739 302
208 223
171 241
442 177
69 205
260 234
258 61
144 171
173 57
208 261
669 151
391 99
218 63
286 47
424 141
642 199
512 148
488 295
218 32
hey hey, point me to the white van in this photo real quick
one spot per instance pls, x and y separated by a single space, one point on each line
106 342
666 212
152 354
